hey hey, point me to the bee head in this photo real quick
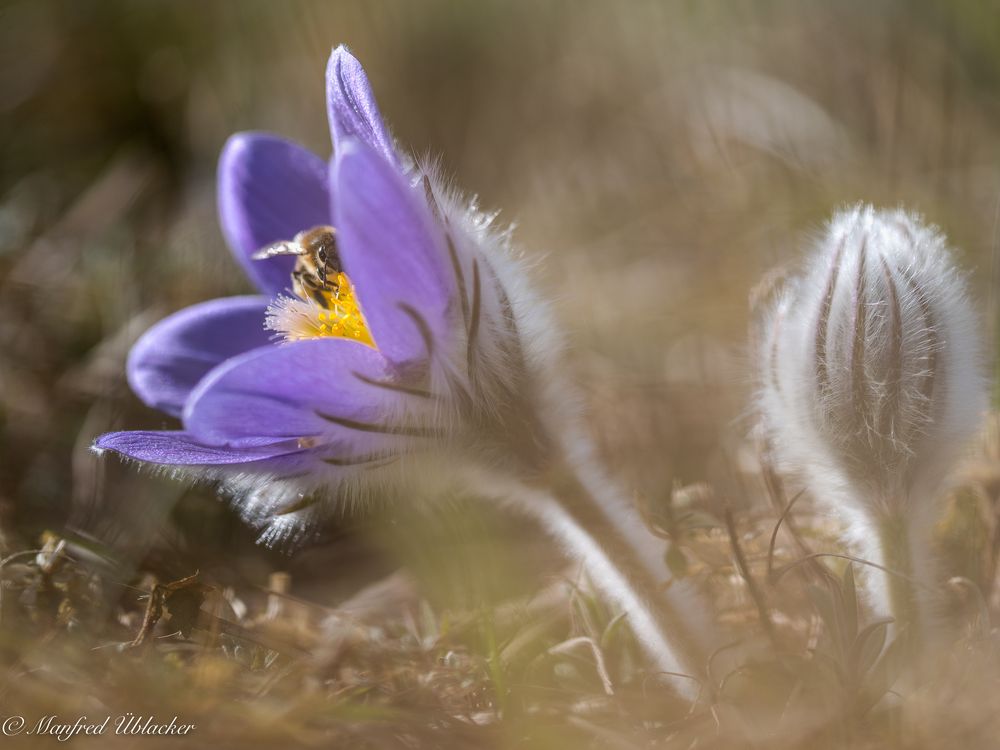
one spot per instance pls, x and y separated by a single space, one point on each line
321 243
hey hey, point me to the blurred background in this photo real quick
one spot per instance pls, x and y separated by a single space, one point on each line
659 160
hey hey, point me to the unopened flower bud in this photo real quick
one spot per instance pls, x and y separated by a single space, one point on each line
871 368
871 386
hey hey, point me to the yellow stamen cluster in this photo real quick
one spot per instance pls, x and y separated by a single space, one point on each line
297 319
343 314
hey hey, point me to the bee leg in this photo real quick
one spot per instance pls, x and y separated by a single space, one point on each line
318 295
301 284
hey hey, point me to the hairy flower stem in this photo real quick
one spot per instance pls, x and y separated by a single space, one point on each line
598 528
896 541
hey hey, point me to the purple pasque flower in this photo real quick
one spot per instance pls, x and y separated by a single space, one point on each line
418 348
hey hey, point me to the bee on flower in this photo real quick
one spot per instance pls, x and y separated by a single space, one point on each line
395 336
386 323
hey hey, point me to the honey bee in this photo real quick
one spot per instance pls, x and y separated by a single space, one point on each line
317 263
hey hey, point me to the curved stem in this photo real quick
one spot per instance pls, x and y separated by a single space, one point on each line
626 563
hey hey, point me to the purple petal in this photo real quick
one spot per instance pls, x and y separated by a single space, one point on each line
394 252
351 105
171 357
269 189
182 449
306 389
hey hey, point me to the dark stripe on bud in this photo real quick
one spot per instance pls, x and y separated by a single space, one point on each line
822 325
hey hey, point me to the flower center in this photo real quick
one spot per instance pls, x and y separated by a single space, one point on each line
320 311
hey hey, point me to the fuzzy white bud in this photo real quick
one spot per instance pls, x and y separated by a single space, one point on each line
871 370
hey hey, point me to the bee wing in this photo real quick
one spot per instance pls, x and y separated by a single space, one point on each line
279 248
